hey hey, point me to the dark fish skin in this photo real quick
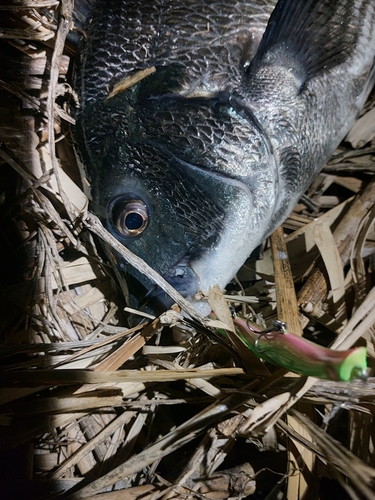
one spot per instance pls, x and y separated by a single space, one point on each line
192 167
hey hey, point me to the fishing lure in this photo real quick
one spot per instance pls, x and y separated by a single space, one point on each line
278 346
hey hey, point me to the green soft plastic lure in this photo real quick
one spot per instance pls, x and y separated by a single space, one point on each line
280 347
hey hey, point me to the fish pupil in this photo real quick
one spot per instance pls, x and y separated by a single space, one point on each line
133 221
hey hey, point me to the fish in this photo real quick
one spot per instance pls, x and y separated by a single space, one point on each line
194 165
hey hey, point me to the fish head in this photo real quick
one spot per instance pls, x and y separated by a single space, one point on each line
187 184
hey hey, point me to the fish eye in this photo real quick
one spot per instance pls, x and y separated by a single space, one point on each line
129 217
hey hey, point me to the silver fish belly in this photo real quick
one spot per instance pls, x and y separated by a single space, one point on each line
194 165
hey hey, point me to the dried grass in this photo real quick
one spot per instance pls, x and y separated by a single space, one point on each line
169 409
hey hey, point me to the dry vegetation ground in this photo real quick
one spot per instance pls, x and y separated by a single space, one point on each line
169 409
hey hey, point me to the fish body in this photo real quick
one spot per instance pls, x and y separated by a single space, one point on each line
196 164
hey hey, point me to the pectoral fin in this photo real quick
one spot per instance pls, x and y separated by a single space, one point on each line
308 36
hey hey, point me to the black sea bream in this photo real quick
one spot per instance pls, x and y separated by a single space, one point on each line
196 164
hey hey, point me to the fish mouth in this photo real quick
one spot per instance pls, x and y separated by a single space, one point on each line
148 297
183 279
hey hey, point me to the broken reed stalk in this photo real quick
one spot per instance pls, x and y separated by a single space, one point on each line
287 311
51 378
286 300
65 23
316 287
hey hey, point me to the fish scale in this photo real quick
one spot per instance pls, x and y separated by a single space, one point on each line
208 155
195 34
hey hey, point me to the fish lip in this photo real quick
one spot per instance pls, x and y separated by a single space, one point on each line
149 297
183 279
